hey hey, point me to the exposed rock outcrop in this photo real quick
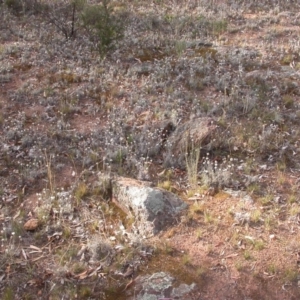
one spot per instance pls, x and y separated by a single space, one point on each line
153 209
161 286
194 133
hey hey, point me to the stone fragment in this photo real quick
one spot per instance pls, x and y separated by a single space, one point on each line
195 133
161 285
31 224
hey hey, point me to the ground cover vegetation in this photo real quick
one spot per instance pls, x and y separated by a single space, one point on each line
85 87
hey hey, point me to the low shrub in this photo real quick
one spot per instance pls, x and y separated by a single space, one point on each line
103 26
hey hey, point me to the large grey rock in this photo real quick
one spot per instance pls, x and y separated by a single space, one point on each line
153 209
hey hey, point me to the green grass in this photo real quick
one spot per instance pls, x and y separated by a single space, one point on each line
208 217
255 215
247 255
81 192
290 275
8 294
259 245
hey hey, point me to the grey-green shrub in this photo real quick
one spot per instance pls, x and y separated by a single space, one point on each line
102 25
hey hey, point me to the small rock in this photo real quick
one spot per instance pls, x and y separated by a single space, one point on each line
162 286
182 290
242 217
272 236
263 167
31 224
194 133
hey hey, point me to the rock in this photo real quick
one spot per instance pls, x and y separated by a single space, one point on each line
242 217
153 209
161 286
195 133
31 224
196 44
149 137
182 290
